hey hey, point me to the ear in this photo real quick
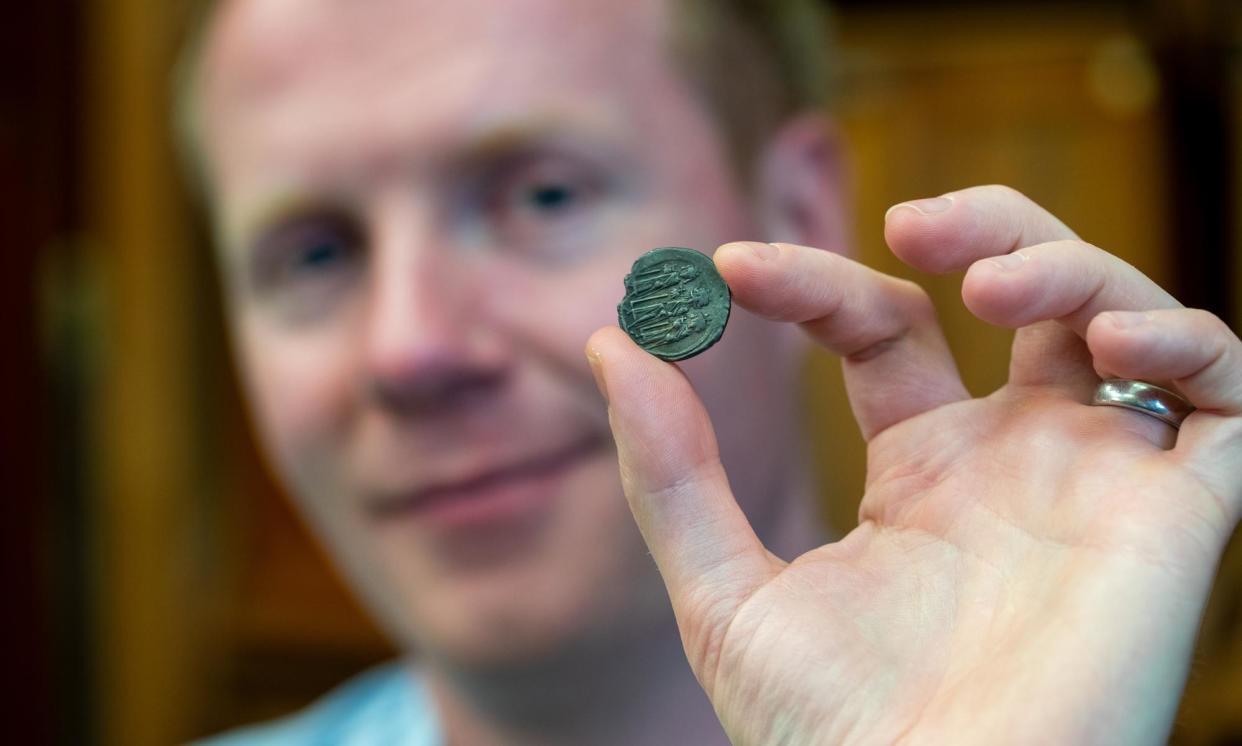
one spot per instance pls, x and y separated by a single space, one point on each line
801 183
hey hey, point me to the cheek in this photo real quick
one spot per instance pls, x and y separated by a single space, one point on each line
553 312
300 389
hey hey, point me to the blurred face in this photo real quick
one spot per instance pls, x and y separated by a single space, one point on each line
425 209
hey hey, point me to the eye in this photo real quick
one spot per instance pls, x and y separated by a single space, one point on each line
544 194
551 197
544 206
541 187
302 255
320 253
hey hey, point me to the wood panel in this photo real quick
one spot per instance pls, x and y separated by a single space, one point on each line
216 608
932 101
148 583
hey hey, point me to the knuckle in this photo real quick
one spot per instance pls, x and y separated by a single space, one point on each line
1208 322
1009 192
912 300
1069 250
1202 325
1005 193
705 620
898 307
702 629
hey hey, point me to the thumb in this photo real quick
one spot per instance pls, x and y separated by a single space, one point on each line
705 548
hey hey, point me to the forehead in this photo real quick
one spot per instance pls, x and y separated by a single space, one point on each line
330 77
261 46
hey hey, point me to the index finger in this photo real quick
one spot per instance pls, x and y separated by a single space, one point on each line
950 232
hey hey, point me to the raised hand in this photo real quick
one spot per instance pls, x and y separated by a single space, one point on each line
1027 568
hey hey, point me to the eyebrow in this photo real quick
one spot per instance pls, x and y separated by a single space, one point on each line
599 143
585 139
274 211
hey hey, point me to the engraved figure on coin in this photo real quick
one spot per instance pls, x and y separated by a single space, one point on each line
675 304
684 326
666 317
680 300
664 276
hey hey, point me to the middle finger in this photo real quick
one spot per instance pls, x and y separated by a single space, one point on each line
1050 303
1068 281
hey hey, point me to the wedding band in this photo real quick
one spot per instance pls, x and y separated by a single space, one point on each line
1144 397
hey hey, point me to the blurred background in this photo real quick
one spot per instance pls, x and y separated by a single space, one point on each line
159 585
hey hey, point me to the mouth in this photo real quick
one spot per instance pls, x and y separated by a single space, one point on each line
500 492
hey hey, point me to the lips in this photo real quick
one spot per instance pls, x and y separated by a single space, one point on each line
497 490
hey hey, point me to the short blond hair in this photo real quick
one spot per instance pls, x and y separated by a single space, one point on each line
753 64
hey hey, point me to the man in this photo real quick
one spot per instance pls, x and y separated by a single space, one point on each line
424 209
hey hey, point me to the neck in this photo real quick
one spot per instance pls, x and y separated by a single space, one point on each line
637 692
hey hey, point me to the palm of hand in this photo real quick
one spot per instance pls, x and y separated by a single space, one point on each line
1027 568
992 571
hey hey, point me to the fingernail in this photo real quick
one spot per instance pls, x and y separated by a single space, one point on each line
757 249
765 250
930 206
1128 319
597 370
1009 262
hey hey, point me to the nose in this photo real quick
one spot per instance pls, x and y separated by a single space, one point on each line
428 350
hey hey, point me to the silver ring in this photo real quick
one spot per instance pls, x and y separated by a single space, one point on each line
1141 396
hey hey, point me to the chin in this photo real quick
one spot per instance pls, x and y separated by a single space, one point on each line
518 621
508 636
519 594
